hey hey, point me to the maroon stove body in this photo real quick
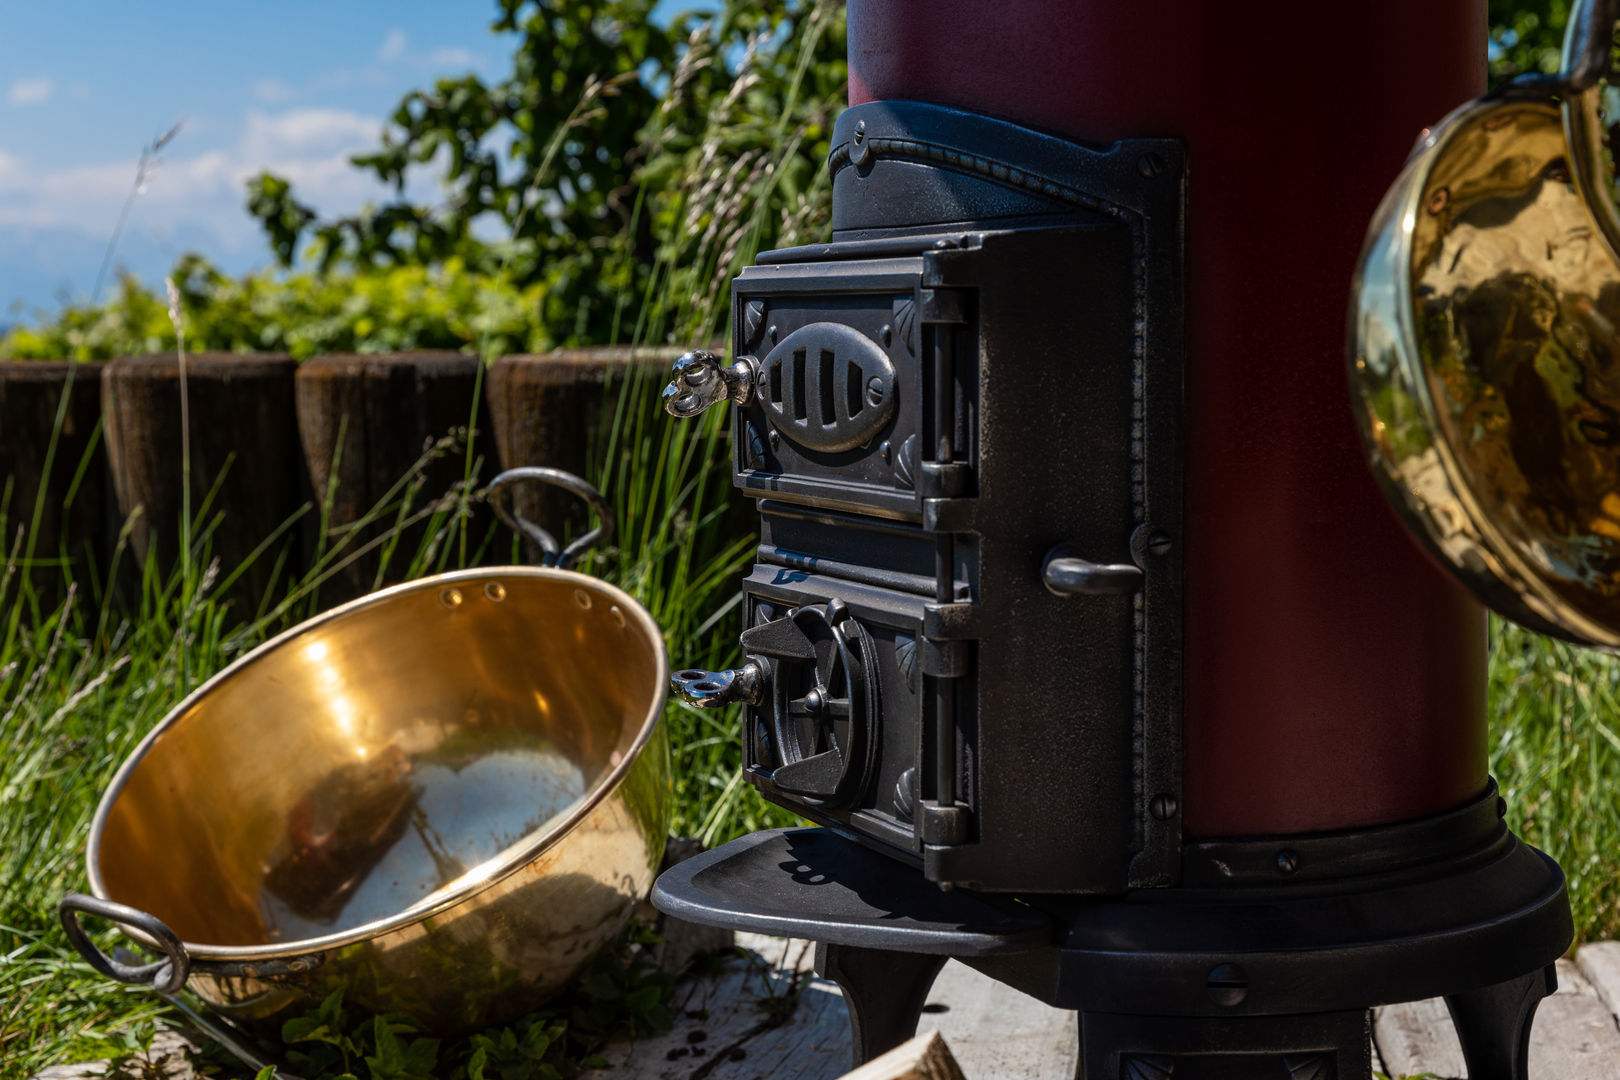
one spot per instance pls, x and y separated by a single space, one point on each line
1333 678
1078 622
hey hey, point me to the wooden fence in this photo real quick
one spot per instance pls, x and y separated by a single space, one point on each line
266 436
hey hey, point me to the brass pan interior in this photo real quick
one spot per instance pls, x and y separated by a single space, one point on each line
387 760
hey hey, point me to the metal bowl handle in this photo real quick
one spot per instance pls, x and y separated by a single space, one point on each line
166 976
563 558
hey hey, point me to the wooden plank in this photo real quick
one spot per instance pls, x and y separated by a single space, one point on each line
1599 961
771 1016
925 1057
1574 1037
995 1031
764 1013
1417 1037
171 1055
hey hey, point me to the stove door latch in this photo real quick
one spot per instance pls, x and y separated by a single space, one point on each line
702 379
1065 573
717 689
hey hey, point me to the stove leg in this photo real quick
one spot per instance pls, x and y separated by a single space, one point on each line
1493 1024
884 991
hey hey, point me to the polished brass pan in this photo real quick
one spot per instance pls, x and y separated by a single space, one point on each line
444 798
1485 345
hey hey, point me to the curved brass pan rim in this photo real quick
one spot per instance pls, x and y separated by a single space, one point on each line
478 878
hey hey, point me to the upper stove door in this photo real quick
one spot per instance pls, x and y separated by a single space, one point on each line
840 389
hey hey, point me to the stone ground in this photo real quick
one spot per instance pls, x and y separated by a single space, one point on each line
765 1014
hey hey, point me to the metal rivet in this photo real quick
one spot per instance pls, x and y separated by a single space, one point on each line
888 333
1163 807
772 333
618 616
1228 985
450 598
776 440
860 132
886 452
582 598
1149 165
495 591
1287 862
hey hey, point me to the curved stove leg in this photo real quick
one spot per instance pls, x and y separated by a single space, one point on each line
1493 1024
885 992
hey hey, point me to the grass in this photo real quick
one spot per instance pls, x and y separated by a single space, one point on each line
1555 751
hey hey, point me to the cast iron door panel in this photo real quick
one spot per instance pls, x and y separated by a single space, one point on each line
835 419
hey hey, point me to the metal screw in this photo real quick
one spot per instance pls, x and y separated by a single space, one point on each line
1159 544
1287 861
859 151
1149 165
886 452
874 390
776 439
1163 807
888 333
772 333
1228 985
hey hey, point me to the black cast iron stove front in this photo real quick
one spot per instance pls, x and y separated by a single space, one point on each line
961 420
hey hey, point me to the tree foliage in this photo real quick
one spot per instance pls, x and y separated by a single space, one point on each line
570 172
1526 36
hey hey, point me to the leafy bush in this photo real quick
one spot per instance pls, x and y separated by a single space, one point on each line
400 308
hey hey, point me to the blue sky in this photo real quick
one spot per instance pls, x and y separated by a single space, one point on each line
293 86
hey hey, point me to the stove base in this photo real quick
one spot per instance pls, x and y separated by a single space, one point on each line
1241 980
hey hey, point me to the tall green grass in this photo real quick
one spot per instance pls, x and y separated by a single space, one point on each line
1555 751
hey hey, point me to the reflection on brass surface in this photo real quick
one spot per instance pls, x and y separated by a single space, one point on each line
1485 365
452 805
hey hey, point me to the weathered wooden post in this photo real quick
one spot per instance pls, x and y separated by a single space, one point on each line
545 409
78 520
378 429
245 485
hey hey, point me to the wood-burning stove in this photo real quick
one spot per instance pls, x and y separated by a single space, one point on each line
965 653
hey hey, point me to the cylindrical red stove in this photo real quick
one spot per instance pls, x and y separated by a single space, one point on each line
1078 622
1333 676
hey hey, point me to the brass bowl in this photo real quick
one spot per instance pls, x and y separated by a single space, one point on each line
1485 346
444 798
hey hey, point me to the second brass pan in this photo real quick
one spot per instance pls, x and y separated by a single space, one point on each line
1485 367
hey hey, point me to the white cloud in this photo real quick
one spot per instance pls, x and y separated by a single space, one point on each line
454 57
202 194
272 91
31 91
393 46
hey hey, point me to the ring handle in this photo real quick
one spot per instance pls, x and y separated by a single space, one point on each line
166 976
500 488
1588 44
